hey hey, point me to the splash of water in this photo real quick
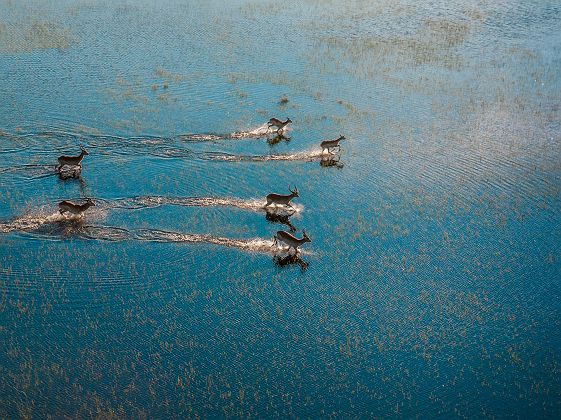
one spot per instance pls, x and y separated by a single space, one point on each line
304 156
253 245
260 245
156 201
260 131
35 221
58 226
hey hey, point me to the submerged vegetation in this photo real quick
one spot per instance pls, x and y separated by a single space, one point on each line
21 37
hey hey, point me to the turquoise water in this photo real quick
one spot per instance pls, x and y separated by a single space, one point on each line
432 283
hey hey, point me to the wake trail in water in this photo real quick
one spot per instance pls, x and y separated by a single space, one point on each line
260 131
253 245
56 221
255 205
163 147
59 227
35 221
32 139
257 132
30 171
302 156
37 171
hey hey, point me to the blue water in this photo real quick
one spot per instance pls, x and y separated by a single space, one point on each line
432 284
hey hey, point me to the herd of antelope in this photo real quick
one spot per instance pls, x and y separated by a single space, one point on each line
73 165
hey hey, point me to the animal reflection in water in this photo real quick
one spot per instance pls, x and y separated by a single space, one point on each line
73 208
275 215
277 139
290 259
70 172
330 160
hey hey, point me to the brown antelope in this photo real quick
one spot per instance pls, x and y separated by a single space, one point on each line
290 240
274 122
331 144
72 160
68 206
282 199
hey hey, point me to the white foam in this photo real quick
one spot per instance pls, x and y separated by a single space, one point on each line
260 131
111 233
261 245
34 221
306 155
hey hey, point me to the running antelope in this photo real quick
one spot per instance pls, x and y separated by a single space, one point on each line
331 144
72 160
274 122
282 199
73 208
290 240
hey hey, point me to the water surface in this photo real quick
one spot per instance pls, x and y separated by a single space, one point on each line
432 284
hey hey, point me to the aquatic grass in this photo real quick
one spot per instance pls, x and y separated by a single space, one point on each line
31 35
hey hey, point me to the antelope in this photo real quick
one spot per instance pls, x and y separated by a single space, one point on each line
331 144
72 160
274 122
73 208
290 240
282 199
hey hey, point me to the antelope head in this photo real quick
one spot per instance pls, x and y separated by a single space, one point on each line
288 120
305 237
84 151
341 138
294 192
90 202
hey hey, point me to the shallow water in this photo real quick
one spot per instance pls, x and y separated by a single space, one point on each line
432 284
